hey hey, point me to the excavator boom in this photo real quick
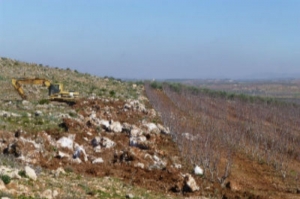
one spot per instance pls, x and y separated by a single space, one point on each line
17 83
56 91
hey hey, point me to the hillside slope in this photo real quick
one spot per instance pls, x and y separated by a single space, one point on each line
247 144
112 144
85 84
109 144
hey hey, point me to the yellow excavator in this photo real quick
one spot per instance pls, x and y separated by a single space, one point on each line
56 92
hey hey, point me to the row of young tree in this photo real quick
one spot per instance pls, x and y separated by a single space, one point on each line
210 126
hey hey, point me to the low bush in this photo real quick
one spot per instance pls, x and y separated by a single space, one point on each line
5 178
44 101
156 85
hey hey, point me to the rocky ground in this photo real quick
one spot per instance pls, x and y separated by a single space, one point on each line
107 140
110 144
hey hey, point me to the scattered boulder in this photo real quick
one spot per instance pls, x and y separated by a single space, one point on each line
163 130
127 107
65 142
96 141
9 114
25 103
61 154
104 124
78 151
115 127
129 196
151 128
97 160
38 113
198 170
49 194
135 105
177 166
158 163
135 132
190 184
98 149
76 161
139 165
107 143
188 136
138 141
58 171
126 128
102 142
63 115
30 173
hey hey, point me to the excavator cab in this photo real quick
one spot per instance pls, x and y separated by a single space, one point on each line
54 89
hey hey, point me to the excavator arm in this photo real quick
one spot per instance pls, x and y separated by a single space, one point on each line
17 83
56 91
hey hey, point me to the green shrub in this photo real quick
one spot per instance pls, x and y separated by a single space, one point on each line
177 87
156 85
72 114
2 78
112 93
5 178
44 101
22 173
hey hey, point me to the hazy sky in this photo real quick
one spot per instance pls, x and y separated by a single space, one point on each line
155 38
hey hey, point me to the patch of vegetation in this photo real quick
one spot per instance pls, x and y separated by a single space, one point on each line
25 197
22 173
2 78
178 87
72 114
112 93
69 169
156 85
5 178
44 101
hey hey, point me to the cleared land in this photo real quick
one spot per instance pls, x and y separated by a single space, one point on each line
251 142
247 146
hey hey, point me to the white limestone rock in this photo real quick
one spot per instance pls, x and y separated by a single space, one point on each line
198 170
190 184
97 161
61 154
116 127
30 173
65 142
80 150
